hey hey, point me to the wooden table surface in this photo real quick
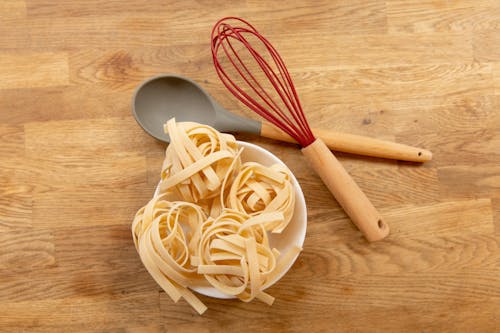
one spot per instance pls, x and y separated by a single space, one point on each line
74 165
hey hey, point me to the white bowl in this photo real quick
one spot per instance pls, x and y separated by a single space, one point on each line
293 235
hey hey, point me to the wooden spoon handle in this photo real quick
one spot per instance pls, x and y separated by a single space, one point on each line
355 203
356 144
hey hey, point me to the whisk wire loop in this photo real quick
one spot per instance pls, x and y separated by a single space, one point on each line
290 118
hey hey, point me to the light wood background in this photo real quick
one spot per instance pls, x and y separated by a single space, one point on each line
74 165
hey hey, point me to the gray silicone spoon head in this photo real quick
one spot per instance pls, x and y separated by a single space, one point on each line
162 97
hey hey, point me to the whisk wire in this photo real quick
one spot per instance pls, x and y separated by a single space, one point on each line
292 122
245 98
281 86
303 120
290 88
260 91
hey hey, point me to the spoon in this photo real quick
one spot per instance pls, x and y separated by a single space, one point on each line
162 97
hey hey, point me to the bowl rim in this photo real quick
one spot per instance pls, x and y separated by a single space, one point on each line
214 293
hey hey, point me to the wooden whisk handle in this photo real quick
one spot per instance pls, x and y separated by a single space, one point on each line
355 203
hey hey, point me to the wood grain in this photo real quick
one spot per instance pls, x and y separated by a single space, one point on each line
75 166
426 16
486 46
496 78
12 9
454 150
364 50
26 250
15 192
33 70
82 313
58 103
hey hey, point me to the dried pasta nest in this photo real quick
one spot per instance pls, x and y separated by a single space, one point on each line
235 256
169 232
197 160
258 189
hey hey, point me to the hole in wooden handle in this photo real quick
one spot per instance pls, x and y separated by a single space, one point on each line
381 224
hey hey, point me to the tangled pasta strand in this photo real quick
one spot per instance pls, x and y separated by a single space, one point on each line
235 256
166 248
259 189
197 160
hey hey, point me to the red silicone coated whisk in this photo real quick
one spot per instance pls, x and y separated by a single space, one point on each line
269 91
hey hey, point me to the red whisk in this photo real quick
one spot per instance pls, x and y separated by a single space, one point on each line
236 50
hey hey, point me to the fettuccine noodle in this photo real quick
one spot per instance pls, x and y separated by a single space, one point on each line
197 160
209 225
166 248
258 189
